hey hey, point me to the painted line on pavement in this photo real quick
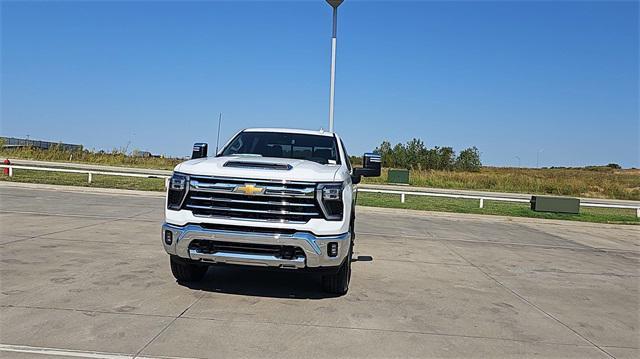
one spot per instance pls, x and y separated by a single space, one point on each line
72 353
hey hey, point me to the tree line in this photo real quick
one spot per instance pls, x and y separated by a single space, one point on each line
415 155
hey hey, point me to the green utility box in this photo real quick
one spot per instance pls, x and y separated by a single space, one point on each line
398 176
555 204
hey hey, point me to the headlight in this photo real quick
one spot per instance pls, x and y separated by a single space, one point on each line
332 192
178 187
330 199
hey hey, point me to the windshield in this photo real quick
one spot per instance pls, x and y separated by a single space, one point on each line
320 149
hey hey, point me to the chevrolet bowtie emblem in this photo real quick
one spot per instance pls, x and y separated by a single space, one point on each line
249 189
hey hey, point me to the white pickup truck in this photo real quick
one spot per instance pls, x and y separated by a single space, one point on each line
279 198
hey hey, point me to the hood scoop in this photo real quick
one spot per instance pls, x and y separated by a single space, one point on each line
259 165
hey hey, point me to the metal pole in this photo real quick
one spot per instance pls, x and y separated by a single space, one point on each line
333 66
538 158
218 140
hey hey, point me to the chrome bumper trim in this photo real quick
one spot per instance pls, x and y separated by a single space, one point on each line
248 259
314 247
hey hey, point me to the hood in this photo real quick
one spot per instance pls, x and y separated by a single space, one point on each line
268 168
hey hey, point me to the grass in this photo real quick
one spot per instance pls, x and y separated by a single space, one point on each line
440 204
599 182
599 215
113 158
593 182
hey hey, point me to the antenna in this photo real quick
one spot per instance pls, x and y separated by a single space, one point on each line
218 140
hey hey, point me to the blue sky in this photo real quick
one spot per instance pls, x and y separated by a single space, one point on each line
511 78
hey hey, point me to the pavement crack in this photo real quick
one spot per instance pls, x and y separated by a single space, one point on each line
383 330
73 215
525 300
137 354
83 310
421 262
142 213
407 237
618 275
104 242
56 232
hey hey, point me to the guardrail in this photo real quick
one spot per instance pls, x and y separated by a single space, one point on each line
402 194
481 199
89 173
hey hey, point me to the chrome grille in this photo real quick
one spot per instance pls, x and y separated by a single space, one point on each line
256 200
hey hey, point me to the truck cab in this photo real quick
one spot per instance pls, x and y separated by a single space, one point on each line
278 198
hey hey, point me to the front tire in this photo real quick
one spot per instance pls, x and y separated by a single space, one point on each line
339 283
186 271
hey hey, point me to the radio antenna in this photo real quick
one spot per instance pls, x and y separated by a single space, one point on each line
218 140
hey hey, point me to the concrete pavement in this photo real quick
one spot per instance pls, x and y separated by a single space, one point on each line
84 274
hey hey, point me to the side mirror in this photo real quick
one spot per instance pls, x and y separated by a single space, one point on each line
371 165
356 177
199 150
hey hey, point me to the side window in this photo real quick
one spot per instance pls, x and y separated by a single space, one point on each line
346 156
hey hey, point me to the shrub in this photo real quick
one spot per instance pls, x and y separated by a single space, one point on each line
415 155
469 160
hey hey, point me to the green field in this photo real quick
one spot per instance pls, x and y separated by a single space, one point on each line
440 204
594 182
600 215
591 182
113 158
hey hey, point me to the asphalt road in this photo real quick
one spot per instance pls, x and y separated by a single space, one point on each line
84 274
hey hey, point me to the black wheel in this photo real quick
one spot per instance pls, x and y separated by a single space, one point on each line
185 270
339 283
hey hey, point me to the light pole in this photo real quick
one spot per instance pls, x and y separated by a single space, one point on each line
218 139
538 158
334 4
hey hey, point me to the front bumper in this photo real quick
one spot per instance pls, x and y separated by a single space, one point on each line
314 247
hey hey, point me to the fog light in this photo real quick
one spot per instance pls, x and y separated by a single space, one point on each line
332 249
286 253
168 237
